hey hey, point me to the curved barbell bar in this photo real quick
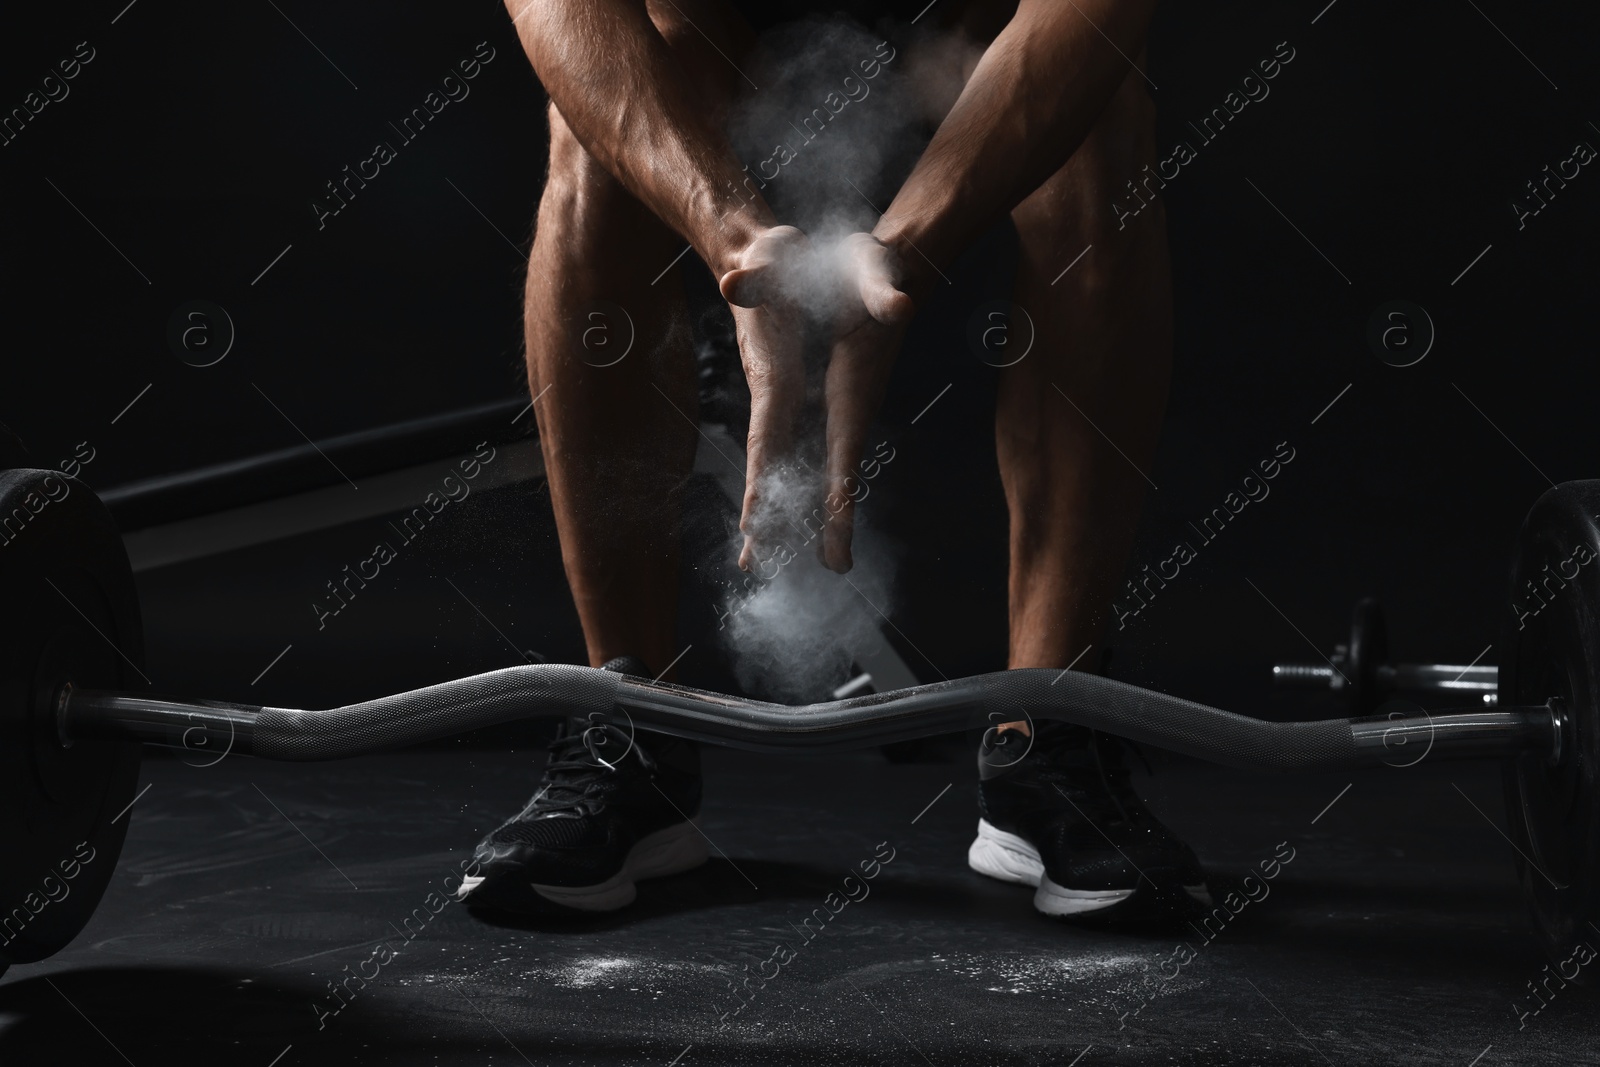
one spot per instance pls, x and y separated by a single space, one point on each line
548 690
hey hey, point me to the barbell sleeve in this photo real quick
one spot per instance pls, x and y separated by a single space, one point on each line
1399 677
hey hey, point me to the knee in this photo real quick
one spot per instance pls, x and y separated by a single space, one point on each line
1066 222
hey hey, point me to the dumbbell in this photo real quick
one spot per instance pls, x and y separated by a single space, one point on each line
74 716
1360 672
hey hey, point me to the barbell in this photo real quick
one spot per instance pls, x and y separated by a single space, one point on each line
1359 669
75 711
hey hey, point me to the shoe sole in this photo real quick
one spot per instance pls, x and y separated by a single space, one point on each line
673 850
1009 858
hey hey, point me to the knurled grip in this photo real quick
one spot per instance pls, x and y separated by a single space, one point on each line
985 700
1197 729
436 711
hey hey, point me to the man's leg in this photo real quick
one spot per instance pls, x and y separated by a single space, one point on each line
619 440
1075 427
1077 420
616 453
618 435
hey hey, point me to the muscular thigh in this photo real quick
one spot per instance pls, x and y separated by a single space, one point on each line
1077 201
596 240
1120 143
1096 282
707 37
764 14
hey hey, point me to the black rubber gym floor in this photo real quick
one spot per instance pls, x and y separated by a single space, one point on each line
1394 935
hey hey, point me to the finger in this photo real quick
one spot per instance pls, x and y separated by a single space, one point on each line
857 373
769 345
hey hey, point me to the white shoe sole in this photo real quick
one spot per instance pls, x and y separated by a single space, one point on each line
1010 858
671 851
1004 856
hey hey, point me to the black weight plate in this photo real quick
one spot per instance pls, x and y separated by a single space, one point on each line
68 612
1368 649
12 452
1551 651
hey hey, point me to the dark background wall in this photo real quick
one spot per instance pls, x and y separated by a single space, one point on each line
1391 149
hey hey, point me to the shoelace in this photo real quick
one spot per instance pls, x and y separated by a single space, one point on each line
1092 776
582 762
1117 778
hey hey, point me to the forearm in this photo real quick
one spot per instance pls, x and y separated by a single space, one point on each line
628 101
1032 99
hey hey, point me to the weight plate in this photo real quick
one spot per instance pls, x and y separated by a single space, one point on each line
68 613
1551 652
1368 649
12 453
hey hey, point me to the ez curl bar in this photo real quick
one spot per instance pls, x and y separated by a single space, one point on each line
74 717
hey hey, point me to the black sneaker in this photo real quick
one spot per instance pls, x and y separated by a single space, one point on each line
1059 813
609 811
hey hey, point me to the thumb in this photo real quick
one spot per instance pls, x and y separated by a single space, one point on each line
745 287
876 274
884 302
